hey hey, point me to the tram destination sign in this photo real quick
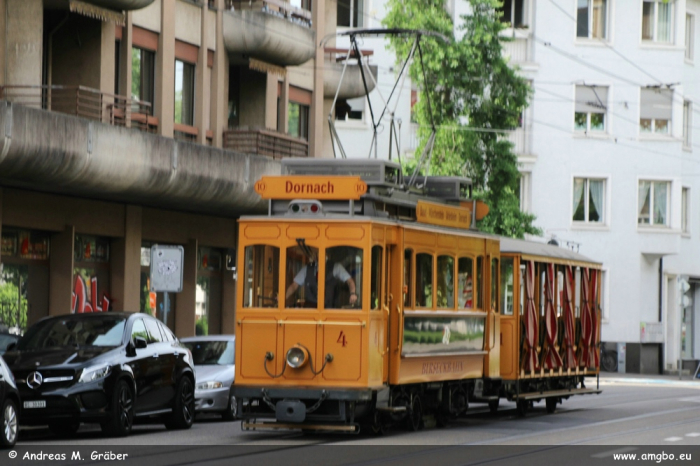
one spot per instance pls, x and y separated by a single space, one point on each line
311 187
443 215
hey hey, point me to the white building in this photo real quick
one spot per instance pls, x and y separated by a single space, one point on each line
610 156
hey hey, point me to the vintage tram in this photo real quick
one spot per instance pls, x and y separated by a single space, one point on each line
363 302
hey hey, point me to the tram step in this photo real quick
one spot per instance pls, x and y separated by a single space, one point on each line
556 393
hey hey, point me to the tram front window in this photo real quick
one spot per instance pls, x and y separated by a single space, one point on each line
304 274
261 276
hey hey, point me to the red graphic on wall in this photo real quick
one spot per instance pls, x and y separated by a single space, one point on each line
79 304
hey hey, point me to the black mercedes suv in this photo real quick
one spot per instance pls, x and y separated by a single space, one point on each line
108 368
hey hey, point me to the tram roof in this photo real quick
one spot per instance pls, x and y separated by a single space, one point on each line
542 251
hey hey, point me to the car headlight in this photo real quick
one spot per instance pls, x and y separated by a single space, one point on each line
90 374
297 357
211 385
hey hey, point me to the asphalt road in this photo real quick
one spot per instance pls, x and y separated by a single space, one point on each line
628 412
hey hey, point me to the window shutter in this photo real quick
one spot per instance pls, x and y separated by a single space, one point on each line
656 103
591 99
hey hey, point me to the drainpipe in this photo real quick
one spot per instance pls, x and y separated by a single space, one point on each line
661 284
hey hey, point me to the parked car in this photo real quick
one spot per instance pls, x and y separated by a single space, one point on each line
108 368
6 339
213 358
9 400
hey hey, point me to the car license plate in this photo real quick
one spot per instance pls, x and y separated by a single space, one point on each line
35 404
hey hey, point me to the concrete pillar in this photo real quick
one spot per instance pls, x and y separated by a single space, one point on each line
126 263
61 271
282 120
108 43
201 81
187 299
23 39
219 82
317 117
271 102
125 64
165 70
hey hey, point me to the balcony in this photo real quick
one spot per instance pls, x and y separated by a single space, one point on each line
517 46
84 102
265 142
272 31
351 86
518 137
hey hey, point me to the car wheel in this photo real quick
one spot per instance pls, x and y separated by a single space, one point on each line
10 424
231 410
122 416
64 429
183 409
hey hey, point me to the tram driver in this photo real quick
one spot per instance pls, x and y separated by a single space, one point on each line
307 279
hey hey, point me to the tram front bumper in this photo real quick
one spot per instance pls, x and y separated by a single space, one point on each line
298 405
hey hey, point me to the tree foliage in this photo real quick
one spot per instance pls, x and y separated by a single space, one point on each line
471 90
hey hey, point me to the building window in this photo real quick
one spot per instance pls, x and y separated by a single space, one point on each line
689 37
589 200
592 19
350 110
143 72
685 208
655 111
298 117
350 13
687 124
184 93
91 274
208 290
653 202
657 21
513 13
591 106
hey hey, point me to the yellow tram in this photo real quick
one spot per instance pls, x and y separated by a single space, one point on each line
360 302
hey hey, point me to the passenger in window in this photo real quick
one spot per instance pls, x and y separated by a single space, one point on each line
308 279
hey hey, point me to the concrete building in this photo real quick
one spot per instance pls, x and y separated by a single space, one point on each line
607 151
129 123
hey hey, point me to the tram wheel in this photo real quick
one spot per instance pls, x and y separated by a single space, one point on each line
415 418
522 406
493 405
551 404
378 426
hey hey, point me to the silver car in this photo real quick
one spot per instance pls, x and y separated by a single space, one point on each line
213 358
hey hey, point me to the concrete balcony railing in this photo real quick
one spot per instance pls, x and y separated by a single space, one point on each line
351 86
272 31
517 46
84 102
265 142
518 137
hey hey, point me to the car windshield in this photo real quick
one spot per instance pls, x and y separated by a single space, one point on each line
211 352
105 331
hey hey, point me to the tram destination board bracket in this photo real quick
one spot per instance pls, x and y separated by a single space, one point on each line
166 268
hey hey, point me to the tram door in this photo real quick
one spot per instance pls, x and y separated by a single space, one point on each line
391 298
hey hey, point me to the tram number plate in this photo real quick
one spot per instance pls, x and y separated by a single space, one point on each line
35 404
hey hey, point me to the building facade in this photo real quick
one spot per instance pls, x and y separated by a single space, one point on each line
133 123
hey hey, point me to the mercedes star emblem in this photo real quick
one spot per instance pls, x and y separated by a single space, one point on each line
34 380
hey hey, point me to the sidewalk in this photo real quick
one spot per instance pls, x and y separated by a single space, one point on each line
673 379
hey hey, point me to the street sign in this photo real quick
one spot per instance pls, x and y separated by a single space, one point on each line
166 268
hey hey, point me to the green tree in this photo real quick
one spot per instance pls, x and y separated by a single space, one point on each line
472 92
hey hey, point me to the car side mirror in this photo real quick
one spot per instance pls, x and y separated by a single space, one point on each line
11 346
140 342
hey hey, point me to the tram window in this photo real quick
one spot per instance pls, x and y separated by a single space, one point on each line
560 290
507 286
445 282
407 256
479 283
343 277
302 277
465 278
494 285
261 276
376 280
424 280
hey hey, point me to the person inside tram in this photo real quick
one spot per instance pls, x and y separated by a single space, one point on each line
307 279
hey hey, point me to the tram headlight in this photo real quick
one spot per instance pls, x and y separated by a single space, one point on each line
297 357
